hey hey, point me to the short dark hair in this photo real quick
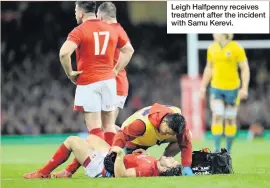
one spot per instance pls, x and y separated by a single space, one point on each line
87 6
174 171
176 122
109 162
108 8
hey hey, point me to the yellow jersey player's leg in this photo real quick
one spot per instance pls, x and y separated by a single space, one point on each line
217 108
232 100
224 56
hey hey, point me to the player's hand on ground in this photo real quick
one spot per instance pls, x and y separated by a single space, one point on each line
117 150
187 171
202 92
140 151
243 93
74 75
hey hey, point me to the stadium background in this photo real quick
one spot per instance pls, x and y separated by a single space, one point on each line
37 97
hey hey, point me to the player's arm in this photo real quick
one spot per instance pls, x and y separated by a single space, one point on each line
245 74
172 149
119 166
244 67
128 133
184 141
126 51
125 56
207 74
73 41
65 55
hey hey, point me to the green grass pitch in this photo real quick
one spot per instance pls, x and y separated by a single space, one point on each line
251 163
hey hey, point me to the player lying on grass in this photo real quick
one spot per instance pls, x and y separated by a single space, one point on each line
91 153
140 164
150 126
154 125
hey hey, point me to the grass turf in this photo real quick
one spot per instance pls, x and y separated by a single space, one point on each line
251 163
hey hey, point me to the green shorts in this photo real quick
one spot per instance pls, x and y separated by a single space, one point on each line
228 96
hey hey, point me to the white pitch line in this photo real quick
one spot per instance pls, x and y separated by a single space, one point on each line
18 161
11 179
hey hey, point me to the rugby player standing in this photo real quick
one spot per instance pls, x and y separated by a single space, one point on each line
107 13
95 43
224 56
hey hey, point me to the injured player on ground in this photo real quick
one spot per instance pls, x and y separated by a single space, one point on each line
92 152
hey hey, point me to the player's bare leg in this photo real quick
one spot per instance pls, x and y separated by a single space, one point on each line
230 125
217 107
93 123
117 110
117 128
108 125
92 120
97 143
76 163
79 147
116 113
92 141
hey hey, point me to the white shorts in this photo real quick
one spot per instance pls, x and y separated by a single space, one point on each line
96 165
120 101
96 97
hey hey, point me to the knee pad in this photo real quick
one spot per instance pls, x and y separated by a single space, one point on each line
218 109
230 113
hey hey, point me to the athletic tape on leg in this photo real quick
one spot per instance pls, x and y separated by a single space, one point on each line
230 113
218 109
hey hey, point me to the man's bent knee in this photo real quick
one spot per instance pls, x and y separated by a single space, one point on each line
70 140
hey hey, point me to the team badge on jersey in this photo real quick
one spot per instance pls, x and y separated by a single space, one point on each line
228 54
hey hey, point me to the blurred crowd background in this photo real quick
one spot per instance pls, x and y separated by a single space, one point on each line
38 98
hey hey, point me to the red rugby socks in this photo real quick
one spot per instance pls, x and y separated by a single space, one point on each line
98 132
60 156
73 166
108 136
